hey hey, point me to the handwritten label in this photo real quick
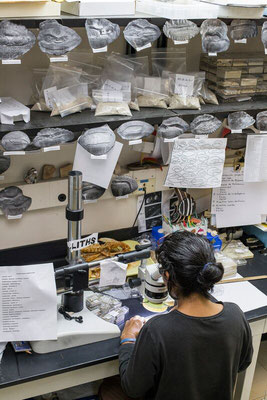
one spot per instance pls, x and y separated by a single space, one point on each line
137 141
102 157
111 85
146 46
51 148
236 130
169 140
14 153
184 85
89 201
59 59
11 61
122 197
180 41
241 41
76 245
49 96
14 216
212 54
100 50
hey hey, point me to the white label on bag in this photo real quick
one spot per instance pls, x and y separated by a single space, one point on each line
51 148
111 96
146 46
241 41
236 130
101 50
14 153
122 197
89 201
137 141
76 245
11 61
14 216
59 59
49 96
180 41
184 84
103 157
111 85
212 54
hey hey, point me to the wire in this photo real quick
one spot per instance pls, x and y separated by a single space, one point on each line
229 241
140 208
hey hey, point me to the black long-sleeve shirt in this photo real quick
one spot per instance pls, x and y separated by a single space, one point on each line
179 357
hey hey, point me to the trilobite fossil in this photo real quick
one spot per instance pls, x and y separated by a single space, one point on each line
91 191
140 32
172 128
4 163
264 34
240 120
57 39
51 137
135 130
13 202
214 36
101 32
180 29
205 124
98 141
261 121
123 185
243 29
15 141
15 40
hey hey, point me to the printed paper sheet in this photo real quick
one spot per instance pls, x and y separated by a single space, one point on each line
256 159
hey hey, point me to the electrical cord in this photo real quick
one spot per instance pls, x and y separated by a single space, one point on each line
227 244
140 208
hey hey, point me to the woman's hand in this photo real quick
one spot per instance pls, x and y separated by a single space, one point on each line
133 327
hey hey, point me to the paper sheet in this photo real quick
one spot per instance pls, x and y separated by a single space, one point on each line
112 273
196 163
256 159
11 110
28 303
244 294
98 172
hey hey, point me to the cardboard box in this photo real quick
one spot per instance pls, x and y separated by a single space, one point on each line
27 9
95 8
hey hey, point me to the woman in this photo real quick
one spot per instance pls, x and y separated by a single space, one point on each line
195 351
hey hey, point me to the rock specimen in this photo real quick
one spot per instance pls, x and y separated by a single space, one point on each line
15 40
31 176
15 141
240 120
64 170
172 128
261 121
91 191
48 171
243 29
56 39
13 202
140 32
4 163
205 124
98 141
123 185
135 130
51 137
180 29
264 34
101 32
214 36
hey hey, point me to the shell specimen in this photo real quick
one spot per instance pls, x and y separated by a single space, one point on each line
180 29
52 137
91 191
31 176
15 40
264 34
214 36
123 185
205 124
240 120
261 121
243 29
13 202
57 39
172 128
4 163
140 32
98 141
101 32
135 130
16 140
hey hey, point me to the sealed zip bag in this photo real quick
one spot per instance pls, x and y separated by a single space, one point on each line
71 99
151 92
185 90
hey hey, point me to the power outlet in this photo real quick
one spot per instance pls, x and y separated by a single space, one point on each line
148 183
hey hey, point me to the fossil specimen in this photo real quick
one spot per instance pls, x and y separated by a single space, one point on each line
16 140
214 36
15 40
98 141
140 32
205 124
57 39
91 191
240 120
243 29
123 185
261 121
101 32
31 176
172 127
236 141
13 202
135 130
4 163
180 29
52 137
264 34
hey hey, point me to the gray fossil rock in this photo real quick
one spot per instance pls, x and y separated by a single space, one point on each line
214 36
243 29
101 32
140 32
98 141
261 121
205 124
16 140
4 163
15 40
240 120
91 191
123 185
172 128
264 34
180 29
13 202
52 137
135 130
57 39
31 176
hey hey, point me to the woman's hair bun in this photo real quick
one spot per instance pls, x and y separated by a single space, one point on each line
211 273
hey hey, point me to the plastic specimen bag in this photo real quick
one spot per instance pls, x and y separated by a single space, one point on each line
151 92
185 90
165 61
72 99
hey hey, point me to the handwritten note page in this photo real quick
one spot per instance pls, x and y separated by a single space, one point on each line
196 163
256 159
113 273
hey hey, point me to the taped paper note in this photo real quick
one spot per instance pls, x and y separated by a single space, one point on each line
112 273
196 163
76 245
256 159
